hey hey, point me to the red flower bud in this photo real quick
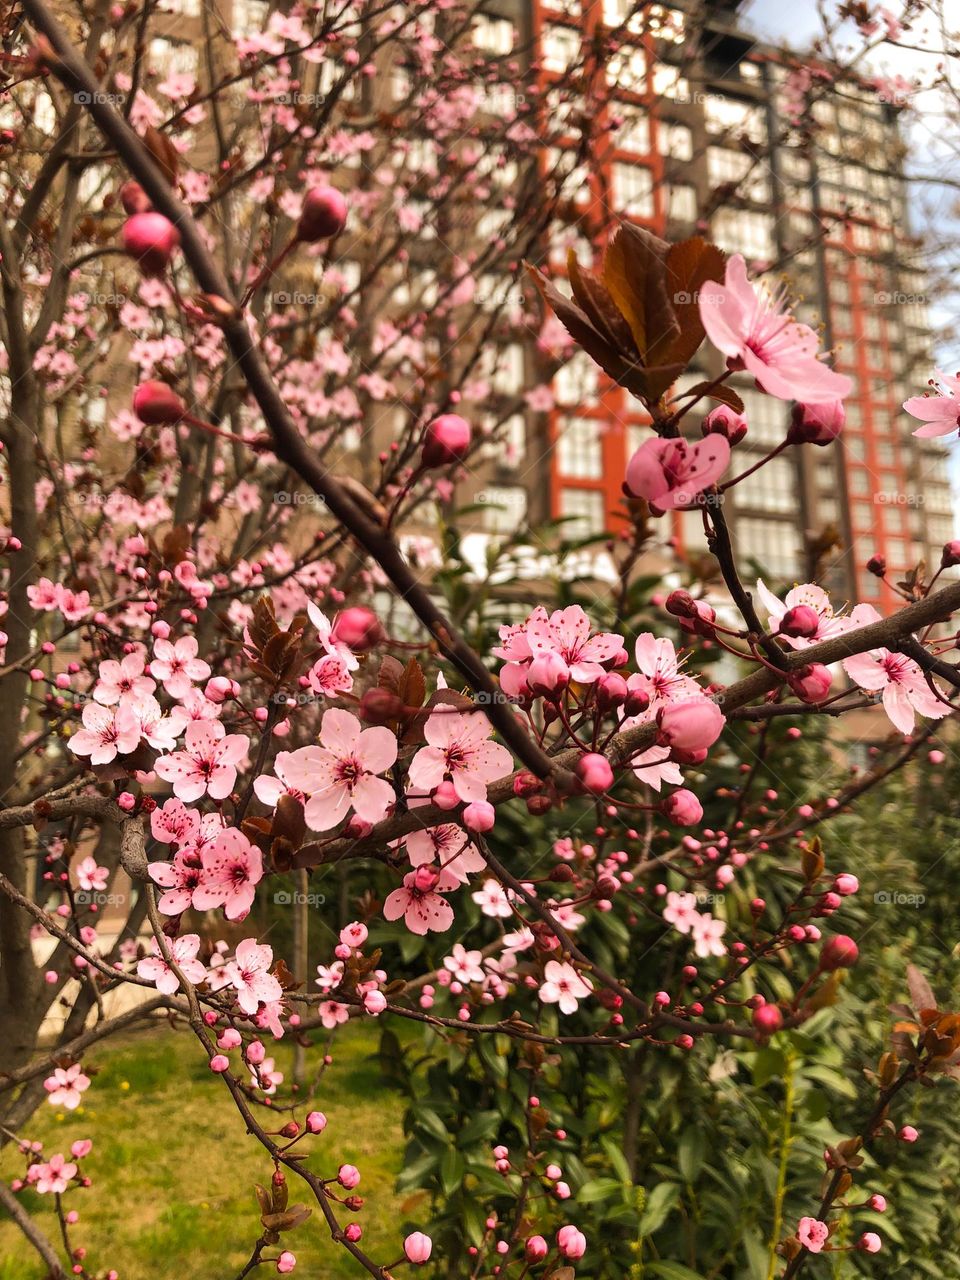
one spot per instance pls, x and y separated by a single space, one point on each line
134 199
817 423
446 440
725 421
951 554
157 405
594 772
811 683
358 628
767 1019
150 239
800 621
840 952
324 214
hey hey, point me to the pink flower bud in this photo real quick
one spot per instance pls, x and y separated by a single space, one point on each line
150 239
682 807
353 1232
839 952
571 1242
801 621
134 199
324 215
536 1249
908 1133
230 1038
480 815
157 405
951 554
256 1052
348 1176
845 884
417 1247
817 423
547 674
446 440
767 1019
316 1122
878 1203
611 690
219 1063
286 1262
374 1002
445 795
870 1242
358 628
691 725
553 1171
217 689
127 801
594 772
725 421
811 683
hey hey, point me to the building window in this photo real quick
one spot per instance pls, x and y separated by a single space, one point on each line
774 544
504 508
633 190
583 511
766 416
578 449
731 115
744 231
634 134
493 35
682 202
627 69
726 167
561 47
576 381
675 141
772 488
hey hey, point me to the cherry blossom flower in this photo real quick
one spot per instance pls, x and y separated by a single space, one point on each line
174 823
707 933
448 845
564 633
180 878
659 673
493 899
681 911
342 771
232 868
183 951
249 973
939 412
333 1013
90 877
673 473
269 789
177 666
329 978
812 1234
208 763
264 1077
563 986
458 745
65 1088
754 330
809 595
54 1176
465 965
120 680
107 732
423 908
901 683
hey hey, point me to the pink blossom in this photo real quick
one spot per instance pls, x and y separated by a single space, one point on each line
808 595
177 666
458 745
812 1234
106 733
208 763
183 952
902 685
269 789
673 473
333 1013
940 412
448 843
179 878
249 973
681 911
174 823
232 867
417 1247
90 877
563 986
119 680
466 966
754 330
54 1176
493 899
66 1086
341 772
265 1078
422 908
564 638
571 1242
707 933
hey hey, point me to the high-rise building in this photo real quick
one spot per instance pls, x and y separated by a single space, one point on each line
708 136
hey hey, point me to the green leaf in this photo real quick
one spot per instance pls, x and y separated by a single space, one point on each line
661 1201
691 1154
672 1271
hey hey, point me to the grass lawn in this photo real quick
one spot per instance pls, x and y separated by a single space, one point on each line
173 1170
